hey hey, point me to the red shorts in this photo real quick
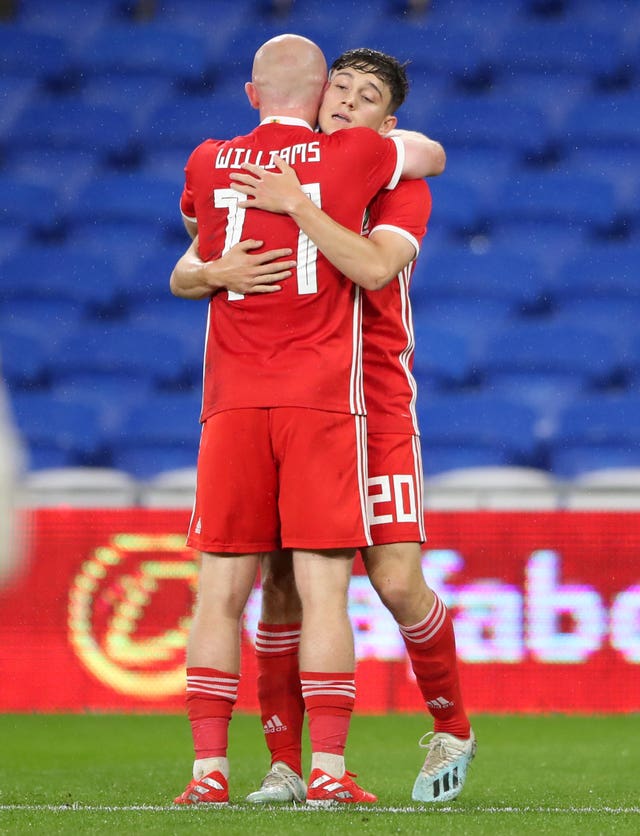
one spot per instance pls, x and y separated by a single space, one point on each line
395 499
284 477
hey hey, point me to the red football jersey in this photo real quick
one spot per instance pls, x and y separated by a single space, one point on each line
302 345
387 326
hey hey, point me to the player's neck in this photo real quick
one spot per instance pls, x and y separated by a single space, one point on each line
287 120
274 113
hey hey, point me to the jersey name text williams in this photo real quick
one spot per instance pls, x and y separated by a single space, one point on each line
305 152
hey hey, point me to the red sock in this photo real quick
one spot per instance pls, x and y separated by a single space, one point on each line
431 646
211 695
329 699
281 704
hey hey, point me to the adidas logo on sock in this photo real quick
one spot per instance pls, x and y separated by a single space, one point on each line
440 702
274 724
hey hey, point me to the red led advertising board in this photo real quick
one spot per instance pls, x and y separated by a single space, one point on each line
546 608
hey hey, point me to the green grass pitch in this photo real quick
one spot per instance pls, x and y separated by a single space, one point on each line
115 774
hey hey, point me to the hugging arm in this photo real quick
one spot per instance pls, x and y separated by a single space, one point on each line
238 270
368 262
423 157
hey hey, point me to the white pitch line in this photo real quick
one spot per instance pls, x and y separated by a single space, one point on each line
427 809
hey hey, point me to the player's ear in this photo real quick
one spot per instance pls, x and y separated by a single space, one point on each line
252 95
388 124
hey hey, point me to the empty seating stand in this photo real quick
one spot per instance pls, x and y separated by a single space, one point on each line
525 295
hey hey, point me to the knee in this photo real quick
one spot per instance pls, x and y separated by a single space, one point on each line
394 590
402 588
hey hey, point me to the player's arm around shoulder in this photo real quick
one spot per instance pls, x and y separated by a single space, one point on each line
368 263
423 157
418 155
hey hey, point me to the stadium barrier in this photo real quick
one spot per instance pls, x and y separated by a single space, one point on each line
546 606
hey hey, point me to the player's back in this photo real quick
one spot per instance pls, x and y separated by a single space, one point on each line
299 346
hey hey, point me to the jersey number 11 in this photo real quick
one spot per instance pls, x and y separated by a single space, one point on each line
306 255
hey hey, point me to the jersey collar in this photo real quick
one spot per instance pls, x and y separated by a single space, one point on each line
286 120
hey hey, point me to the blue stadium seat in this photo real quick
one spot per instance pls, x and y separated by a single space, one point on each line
619 164
73 20
70 123
459 274
616 317
451 51
472 319
31 54
145 462
609 121
625 191
531 230
574 460
552 347
495 429
555 197
121 240
15 93
488 20
24 352
597 432
551 242
555 94
491 122
426 94
202 13
145 280
12 238
162 433
484 169
185 121
565 46
443 358
184 317
146 47
111 393
442 459
61 273
58 432
165 162
63 171
126 349
633 355
27 204
41 456
457 206
131 91
604 272
52 317
547 393
164 418
129 198
606 13
135 93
